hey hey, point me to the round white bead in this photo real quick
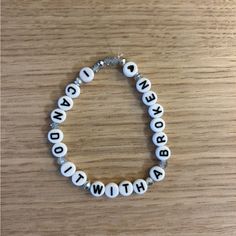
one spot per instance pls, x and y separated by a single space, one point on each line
58 116
97 189
72 90
59 150
112 190
79 178
149 98
156 110
157 125
157 173
143 85
130 69
140 186
55 136
126 188
160 139
163 153
68 169
65 103
86 74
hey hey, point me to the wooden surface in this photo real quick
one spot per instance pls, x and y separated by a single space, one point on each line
187 49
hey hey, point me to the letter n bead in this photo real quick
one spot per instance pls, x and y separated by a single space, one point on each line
65 103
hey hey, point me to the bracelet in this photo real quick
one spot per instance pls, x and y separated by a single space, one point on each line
157 125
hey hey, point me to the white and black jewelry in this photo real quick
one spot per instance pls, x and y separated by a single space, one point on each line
59 149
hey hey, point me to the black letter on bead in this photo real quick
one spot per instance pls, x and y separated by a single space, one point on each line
65 103
86 73
164 153
74 90
157 173
141 186
111 191
58 116
150 98
144 84
54 136
159 124
157 111
58 150
126 187
67 169
80 177
97 188
161 139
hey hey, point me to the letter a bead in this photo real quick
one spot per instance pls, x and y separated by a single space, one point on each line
157 173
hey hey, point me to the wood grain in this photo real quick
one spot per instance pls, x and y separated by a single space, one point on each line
187 49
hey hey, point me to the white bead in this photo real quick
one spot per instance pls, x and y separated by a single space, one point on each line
160 139
130 69
55 136
86 74
143 85
140 186
156 110
72 90
163 153
125 188
157 125
68 169
79 178
149 98
59 150
112 190
157 173
58 116
65 103
97 189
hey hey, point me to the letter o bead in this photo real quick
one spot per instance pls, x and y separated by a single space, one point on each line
163 153
157 173
97 189
59 150
72 90
126 188
140 186
112 190
79 178
157 125
68 169
55 136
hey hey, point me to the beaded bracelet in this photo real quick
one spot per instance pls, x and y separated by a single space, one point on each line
157 125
